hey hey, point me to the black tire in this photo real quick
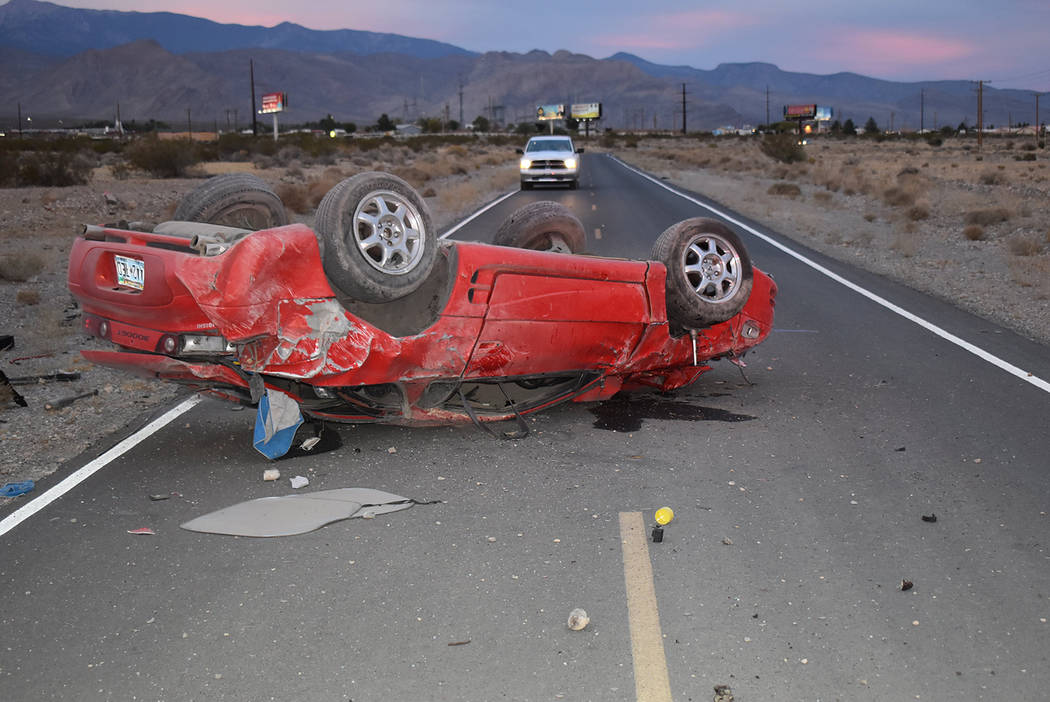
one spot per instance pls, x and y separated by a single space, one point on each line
239 200
526 186
574 185
542 226
709 274
377 240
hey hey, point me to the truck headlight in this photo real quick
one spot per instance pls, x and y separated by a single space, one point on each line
570 163
526 164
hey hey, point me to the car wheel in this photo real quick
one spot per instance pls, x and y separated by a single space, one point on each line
239 200
377 240
542 226
526 186
709 275
574 185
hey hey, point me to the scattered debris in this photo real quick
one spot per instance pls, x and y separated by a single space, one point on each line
906 585
459 643
67 401
298 482
7 341
298 514
310 443
15 361
664 515
723 693
658 534
271 474
929 517
902 448
63 376
727 541
16 489
144 531
158 498
391 450
578 619
8 394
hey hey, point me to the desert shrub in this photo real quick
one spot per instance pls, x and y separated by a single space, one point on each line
783 148
869 217
935 141
987 217
1025 245
1024 157
163 158
907 171
917 212
992 178
416 177
57 169
898 197
294 197
974 232
1028 146
785 189
318 187
905 242
28 297
19 268
120 170
823 198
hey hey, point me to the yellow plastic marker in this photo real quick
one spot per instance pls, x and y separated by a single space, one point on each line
664 515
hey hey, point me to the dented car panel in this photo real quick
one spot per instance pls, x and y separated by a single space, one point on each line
513 330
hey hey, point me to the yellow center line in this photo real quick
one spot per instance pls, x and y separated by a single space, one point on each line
651 682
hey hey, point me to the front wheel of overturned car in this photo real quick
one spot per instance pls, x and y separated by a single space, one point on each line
377 240
239 200
542 226
709 274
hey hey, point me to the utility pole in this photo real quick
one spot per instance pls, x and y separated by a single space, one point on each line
1037 120
684 109
189 125
20 117
767 107
922 111
980 114
255 122
461 102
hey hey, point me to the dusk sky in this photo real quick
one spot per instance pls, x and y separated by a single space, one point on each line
1003 41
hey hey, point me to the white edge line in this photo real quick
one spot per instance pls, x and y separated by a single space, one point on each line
929 326
80 475
477 214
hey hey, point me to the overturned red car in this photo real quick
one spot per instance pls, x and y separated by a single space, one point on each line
372 318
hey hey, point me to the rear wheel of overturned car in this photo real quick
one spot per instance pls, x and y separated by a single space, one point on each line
542 226
239 200
709 274
377 240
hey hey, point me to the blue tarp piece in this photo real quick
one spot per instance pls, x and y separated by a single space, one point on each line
275 424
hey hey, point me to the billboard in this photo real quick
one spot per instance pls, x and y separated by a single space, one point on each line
800 111
586 110
823 113
274 102
546 112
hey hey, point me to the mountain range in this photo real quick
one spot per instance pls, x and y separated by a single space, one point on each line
172 67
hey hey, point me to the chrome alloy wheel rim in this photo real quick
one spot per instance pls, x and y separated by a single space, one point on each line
388 231
712 267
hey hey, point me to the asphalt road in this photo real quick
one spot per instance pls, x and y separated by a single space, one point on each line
799 488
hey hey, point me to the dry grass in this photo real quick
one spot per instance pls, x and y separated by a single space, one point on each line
28 297
295 197
919 212
785 189
974 232
993 178
898 197
905 242
319 186
19 268
987 217
824 198
1022 245
1032 272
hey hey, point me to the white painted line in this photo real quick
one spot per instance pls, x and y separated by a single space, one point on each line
477 214
929 326
80 475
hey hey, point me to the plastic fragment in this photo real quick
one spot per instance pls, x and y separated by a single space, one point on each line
16 489
578 619
723 693
271 474
159 497
929 517
906 585
143 531
298 482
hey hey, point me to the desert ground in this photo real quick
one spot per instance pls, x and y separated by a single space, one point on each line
969 226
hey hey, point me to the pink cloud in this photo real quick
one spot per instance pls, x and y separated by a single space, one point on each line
889 50
678 30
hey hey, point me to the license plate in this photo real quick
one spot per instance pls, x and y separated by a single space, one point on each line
131 272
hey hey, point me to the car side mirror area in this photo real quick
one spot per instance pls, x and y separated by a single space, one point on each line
579 150
518 151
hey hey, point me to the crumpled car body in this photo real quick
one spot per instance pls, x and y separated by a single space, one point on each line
496 332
